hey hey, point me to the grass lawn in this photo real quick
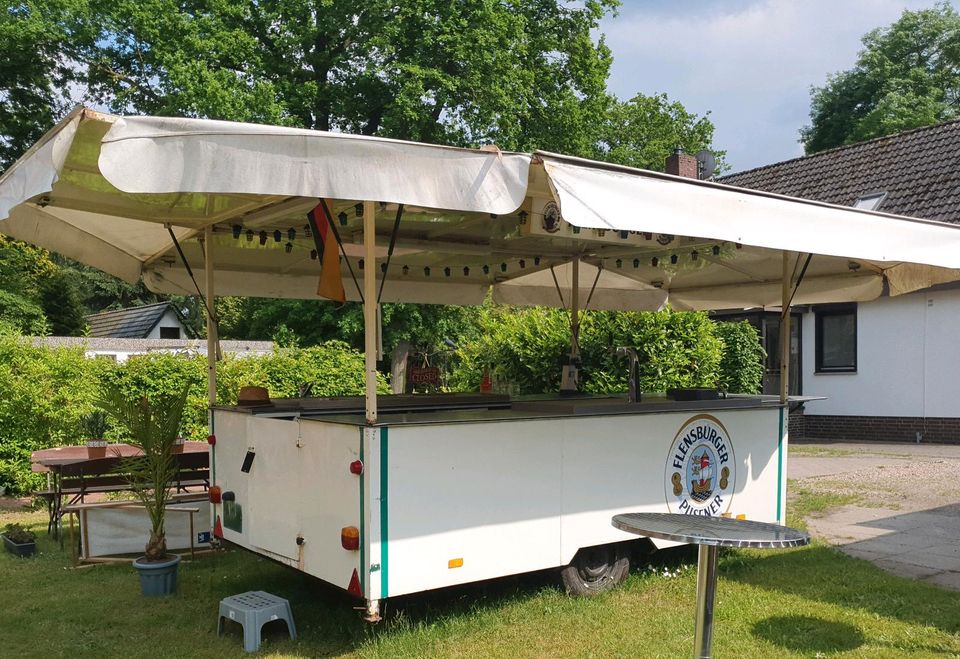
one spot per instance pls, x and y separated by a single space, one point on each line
808 602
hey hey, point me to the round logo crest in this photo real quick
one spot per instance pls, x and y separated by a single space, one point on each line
701 470
551 217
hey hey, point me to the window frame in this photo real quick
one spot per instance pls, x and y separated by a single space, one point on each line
178 330
826 312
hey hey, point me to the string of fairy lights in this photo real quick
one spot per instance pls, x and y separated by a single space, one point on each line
663 258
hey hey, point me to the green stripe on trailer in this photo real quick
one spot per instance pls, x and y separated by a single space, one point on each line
780 465
384 535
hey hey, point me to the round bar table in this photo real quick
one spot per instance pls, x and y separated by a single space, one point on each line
710 533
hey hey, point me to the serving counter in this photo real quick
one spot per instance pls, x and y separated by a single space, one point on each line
456 488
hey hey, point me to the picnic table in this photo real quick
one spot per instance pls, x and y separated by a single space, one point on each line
73 474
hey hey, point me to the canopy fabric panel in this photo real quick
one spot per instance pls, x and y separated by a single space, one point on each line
196 155
108 190
608 197
599 289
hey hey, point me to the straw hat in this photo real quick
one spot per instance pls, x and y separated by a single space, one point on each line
253 396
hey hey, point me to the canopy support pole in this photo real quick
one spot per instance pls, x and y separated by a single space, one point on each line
213 350
212 337
575 310
370 329
787 296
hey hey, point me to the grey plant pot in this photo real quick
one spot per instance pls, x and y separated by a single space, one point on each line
158 579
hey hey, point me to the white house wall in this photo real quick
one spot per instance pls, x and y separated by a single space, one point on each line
908 355
169 319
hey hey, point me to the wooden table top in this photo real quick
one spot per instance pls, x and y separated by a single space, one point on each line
44 459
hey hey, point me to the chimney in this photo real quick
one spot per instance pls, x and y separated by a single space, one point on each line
682 164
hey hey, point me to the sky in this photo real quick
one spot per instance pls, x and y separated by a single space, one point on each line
750 63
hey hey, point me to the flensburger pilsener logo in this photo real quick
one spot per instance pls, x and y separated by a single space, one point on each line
701 470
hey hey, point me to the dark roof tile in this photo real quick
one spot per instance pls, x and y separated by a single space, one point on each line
919 170
132 323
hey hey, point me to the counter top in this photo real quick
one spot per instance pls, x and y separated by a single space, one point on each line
479 408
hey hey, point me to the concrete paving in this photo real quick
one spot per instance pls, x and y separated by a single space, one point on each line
905 513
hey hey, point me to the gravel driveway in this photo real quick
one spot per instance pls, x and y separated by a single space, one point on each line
901 505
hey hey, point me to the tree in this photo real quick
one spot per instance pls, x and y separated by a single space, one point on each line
643 131
455 73
60 300
524 75
314 322
906 76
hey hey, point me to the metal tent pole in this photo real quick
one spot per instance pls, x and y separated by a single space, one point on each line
212 351
575 309
787 297
212 337
785 330
370 309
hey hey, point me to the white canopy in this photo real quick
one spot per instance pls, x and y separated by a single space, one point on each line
103 189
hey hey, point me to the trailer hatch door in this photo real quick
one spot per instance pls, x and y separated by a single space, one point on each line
274 486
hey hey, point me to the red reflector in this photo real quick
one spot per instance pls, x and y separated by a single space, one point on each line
211 439
217 529
214 494
354 587
356 467
350 538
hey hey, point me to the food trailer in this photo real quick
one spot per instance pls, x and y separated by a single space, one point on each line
389 495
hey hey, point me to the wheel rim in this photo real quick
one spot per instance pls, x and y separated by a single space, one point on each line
594 564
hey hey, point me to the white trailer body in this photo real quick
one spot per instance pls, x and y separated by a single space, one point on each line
454 497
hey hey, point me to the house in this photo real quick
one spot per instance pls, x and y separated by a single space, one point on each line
121 349
887 367
150 321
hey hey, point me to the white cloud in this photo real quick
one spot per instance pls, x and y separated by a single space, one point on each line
750 63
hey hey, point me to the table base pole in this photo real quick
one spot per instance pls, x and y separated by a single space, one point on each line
706 589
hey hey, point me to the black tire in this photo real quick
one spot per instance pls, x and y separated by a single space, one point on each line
596 570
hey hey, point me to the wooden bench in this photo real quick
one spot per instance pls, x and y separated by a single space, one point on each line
74 482
80 510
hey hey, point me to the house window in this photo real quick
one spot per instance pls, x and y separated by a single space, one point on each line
870 202
169 332
836 339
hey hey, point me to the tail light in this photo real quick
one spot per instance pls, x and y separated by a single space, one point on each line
350 538
356 467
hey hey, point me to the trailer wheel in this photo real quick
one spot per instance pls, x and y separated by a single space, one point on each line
596 570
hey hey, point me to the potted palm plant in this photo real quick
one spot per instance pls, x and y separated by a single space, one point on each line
153 427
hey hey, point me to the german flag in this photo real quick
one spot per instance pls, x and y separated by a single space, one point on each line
331 283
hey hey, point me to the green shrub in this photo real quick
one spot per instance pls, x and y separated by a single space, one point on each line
48 392
524 348
741 369
163 375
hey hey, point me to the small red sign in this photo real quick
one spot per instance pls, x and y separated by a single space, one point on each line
424 375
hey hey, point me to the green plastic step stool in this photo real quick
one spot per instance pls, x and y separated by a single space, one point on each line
253 610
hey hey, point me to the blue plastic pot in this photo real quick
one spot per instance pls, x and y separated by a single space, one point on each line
158 579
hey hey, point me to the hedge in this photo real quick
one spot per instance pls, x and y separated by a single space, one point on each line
48 390
523 349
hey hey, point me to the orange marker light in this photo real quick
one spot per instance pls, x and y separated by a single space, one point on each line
350 538
214 493
741 516
454 562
